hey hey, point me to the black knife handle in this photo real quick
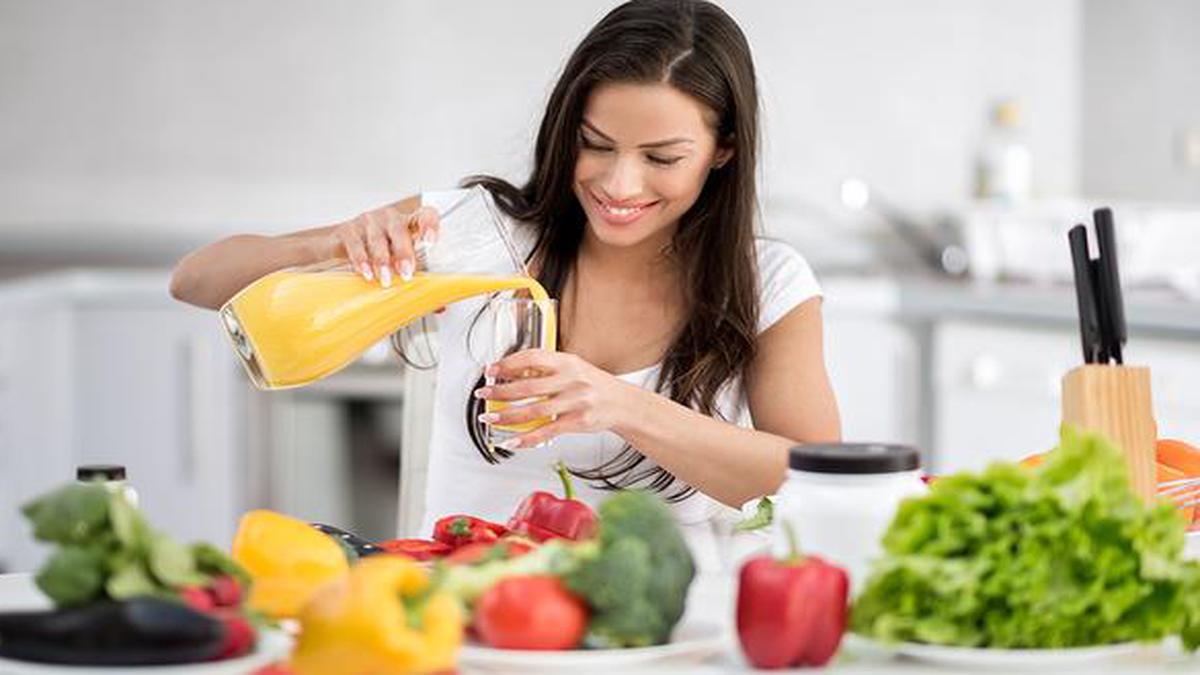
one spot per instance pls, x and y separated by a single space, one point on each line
1085 297
1112 327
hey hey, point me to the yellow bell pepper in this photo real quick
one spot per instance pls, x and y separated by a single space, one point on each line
288 560
381 618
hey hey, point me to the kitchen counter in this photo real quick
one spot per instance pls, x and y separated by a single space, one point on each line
908 296
711 600
917 297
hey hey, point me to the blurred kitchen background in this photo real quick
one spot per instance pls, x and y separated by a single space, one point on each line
927 156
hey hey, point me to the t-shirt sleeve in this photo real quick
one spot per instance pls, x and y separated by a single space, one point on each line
785 281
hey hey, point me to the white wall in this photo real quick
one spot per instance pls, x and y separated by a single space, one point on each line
1141 94
182 116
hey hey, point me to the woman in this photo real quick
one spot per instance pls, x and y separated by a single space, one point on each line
677 326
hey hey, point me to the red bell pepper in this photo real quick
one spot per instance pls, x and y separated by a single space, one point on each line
460 530
417 549
791 612
543 516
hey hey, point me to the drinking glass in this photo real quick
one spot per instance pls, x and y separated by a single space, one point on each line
517 323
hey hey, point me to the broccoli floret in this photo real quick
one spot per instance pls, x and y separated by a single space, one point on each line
637 579
607 581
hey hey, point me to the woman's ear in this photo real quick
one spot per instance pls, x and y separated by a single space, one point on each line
722 156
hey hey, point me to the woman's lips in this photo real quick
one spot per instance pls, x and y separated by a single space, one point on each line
623 214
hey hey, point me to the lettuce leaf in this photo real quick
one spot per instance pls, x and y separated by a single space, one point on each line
1062 556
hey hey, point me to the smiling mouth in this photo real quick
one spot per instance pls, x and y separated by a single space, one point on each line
622 213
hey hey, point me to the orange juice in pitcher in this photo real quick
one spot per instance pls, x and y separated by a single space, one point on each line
294 327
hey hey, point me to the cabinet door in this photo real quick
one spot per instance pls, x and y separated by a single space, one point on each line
158 392
35 422
874 365
997 392
998 389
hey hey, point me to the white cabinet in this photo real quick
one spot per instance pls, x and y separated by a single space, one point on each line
874 365
874 361
109 369
998 388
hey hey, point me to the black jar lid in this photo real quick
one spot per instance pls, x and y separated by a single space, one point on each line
100 472
855 458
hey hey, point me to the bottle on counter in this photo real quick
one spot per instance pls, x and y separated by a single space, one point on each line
841 497
1004 170
113 477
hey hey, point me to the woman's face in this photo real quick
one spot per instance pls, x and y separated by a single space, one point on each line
645 151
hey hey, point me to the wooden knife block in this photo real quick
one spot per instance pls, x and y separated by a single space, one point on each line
1115 401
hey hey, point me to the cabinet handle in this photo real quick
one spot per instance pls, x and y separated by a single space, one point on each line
986 372
195 396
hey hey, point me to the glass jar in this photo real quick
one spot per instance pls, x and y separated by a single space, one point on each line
113 477
840 498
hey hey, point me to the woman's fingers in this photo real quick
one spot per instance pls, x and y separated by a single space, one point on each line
378 248
517 390
400 243
564 424
543 408
381 243
351 238
427 225
523 363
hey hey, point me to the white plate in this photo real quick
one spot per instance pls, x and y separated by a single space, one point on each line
273 645
1008 659
691 643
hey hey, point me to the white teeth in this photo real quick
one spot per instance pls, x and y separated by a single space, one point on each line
622 211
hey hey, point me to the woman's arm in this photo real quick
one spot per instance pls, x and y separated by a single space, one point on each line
377 243
790 400
209 276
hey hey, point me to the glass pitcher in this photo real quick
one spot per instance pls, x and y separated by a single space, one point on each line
298 325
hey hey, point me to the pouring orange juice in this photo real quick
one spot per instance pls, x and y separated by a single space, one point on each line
294 327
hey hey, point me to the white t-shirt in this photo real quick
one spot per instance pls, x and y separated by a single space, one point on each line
461 481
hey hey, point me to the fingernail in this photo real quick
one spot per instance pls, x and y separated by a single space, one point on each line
483 392
488 418
510 444
385 276
406 270
491 370
430 237
366 271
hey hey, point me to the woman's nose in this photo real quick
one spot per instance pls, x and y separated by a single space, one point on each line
624 179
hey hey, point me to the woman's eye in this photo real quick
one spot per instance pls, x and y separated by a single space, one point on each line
663 161
588 145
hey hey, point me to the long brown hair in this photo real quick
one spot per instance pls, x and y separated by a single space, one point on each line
697 48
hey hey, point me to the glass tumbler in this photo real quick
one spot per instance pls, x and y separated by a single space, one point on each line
518 323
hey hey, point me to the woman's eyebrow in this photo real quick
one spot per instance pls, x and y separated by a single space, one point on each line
656 144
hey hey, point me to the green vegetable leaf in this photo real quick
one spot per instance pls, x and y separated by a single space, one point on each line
131 580
763 516
127 522
212 561
72 514
73 575
1064 556
172 563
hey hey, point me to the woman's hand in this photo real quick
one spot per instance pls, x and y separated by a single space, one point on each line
382 241
577 396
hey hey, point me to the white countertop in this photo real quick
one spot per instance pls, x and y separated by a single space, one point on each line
711 600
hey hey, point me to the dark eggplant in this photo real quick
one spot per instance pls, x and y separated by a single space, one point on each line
359 546
139 631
